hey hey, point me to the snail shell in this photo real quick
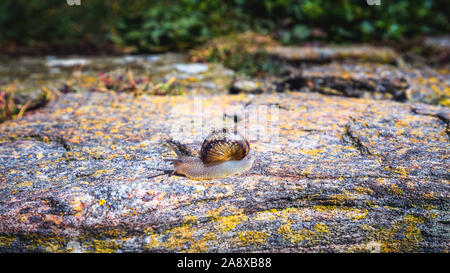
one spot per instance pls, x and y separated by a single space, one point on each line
222 145
223 153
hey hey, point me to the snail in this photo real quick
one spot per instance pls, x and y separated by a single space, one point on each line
223 153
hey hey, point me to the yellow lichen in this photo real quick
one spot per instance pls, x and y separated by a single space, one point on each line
445 102
342 198
402 236
429 195
296 236
25 184
101 202
357 214
179 236
99 172
364 190
311 152
189 220
50 244
105 246
202 245
351 213
228 223
266 215
321 228
428 206
6 240
113 233
256 238
402 171
395 189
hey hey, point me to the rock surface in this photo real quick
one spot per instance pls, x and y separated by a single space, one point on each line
333 174
374 81
439 42
34 77
196 77
329 53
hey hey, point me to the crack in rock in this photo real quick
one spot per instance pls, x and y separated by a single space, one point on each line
356 142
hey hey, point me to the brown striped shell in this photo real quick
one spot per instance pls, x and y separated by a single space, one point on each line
222 145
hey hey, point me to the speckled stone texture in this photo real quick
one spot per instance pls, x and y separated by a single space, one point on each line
375 81
346 175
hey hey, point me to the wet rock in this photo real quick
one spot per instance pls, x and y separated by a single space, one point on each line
439 42
440 50
365 53
196 77
251 86
374 81
36 80
66 62
30 74
39 67
332 174
192 68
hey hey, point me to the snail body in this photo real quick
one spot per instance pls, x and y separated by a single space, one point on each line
223 153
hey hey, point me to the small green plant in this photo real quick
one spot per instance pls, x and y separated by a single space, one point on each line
123 81
161 27
245 53
9 108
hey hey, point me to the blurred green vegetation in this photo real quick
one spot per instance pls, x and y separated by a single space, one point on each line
149 26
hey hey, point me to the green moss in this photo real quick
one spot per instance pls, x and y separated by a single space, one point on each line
245 52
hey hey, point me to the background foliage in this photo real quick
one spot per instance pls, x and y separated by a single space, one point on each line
146 26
